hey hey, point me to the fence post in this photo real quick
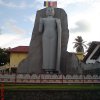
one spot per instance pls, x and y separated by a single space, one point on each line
2 91
62 78
40 78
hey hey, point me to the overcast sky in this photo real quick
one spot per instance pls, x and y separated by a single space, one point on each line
17 20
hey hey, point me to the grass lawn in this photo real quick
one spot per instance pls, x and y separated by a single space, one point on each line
8 86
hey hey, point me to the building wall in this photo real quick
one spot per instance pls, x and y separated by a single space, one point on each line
16 58
98 59
80 55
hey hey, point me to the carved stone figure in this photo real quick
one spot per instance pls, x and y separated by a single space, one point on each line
34 61
51 41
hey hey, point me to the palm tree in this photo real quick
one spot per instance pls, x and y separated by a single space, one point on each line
89 44
79 44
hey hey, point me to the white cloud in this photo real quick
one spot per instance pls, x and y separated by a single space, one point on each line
80 26
11 25
89 18
12 40
13 35
0 31
31 19
21 42
64 3
18 42
22 4
7 38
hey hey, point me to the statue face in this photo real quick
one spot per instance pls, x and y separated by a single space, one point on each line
50 11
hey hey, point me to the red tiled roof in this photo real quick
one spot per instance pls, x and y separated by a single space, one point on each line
20 49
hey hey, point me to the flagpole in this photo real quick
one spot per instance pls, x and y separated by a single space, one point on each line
47 3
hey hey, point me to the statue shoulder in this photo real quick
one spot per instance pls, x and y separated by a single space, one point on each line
42 19
58 20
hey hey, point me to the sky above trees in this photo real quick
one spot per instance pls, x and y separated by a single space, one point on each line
17 20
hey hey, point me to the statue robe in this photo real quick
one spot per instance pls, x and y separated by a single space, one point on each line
51 43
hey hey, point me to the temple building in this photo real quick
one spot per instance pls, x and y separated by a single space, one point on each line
17 54
92 59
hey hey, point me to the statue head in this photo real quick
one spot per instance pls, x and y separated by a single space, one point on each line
50 11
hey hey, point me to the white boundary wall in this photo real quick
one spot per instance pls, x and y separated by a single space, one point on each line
47 78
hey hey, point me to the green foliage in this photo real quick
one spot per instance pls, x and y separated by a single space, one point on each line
52 86
4 56
79 44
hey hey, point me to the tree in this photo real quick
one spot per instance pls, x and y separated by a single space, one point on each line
79 44
89 44
4 56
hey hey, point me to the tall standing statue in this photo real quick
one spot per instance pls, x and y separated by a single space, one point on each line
51 41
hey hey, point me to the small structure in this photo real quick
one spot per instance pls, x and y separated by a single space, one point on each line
92 59
17 54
